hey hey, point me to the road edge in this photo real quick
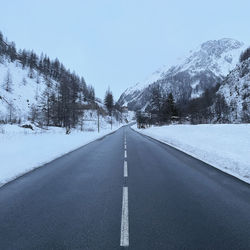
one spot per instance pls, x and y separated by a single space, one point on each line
9 181
238 177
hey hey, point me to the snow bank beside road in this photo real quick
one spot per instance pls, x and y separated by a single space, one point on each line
22 150
224 146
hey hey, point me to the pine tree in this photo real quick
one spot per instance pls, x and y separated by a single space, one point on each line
169 109
109 101
155 106
46 105
33 113
90 95
156 100
221 108
23 58
11 51
245 55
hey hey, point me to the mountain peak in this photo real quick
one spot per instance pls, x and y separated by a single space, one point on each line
217 47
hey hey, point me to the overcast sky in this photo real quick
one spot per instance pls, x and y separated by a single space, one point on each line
117 43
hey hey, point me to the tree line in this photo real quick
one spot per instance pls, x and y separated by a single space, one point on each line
209 107
65 96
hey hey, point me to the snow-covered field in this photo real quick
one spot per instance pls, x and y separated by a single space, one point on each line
224 146
22 150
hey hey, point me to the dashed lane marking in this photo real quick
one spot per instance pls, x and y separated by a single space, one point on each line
124 241
125 169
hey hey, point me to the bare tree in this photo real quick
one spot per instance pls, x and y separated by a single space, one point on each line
11 111
8 82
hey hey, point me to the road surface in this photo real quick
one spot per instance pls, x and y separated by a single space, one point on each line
125 191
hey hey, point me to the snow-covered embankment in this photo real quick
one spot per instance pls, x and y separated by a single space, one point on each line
224 146
22 150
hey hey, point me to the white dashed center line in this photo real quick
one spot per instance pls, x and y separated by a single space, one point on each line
124 241
125 169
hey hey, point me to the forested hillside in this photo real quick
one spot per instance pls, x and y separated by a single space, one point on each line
43 91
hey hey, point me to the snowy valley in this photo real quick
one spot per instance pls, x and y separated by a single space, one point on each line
43 105
94 157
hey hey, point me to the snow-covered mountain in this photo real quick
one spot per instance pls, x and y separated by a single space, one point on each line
201 69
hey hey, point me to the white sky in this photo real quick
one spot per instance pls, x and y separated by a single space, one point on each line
117 43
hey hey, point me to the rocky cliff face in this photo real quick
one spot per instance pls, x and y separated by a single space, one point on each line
236 90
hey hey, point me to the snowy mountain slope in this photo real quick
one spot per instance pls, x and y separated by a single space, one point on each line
41 90
25 91
22 90
236 91
201 69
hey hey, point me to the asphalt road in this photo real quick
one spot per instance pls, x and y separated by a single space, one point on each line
150 197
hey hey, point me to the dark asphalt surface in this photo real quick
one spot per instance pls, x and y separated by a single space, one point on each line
174 200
